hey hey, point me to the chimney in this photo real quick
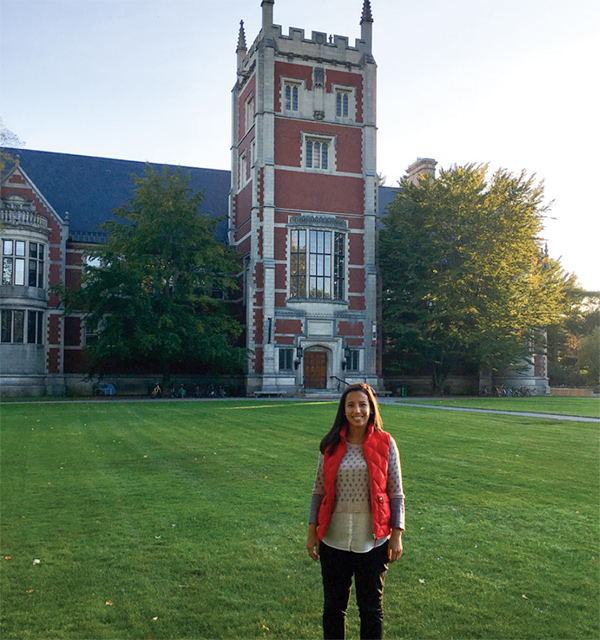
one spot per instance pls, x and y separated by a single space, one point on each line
421 167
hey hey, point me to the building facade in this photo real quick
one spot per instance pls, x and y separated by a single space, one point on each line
43 246
303 206
33 244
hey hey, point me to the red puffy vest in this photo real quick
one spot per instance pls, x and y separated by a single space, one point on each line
376 448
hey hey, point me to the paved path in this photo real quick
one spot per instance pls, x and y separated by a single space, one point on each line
527 414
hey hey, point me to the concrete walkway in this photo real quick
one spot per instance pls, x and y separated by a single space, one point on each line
526 414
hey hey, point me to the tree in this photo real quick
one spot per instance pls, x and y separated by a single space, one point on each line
151 289
573 354
466 281
7 139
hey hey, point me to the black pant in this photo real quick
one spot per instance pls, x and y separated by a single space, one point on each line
368 569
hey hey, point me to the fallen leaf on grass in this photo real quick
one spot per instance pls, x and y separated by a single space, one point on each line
109 603
265 628
524 596
29 591
8 557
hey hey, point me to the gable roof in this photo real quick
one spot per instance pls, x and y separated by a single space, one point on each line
91 188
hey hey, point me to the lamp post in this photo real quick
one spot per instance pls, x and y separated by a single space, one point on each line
298 356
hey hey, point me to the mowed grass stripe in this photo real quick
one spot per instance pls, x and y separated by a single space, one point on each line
191 519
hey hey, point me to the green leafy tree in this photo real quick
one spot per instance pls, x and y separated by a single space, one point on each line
573 353
151 290
465 279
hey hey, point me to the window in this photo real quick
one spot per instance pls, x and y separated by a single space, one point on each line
249 113
317 154
353 360
35 327
36 265
291 91
286 357
14 265
322 275
243 170
91 333
342 100
298 264
13 326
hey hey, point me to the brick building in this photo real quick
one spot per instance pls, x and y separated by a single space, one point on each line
303 209
51 207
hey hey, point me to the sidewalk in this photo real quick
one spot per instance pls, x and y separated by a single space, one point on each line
526 414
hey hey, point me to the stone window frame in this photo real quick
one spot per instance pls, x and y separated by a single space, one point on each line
243 177
17 261
293 104
309 226
30 327
353 363
286 358
309 140
249 113
339 92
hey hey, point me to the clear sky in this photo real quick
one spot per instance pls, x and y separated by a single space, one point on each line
512 83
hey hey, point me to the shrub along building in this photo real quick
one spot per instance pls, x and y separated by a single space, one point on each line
303 206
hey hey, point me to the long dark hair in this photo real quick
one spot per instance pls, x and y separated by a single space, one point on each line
333 438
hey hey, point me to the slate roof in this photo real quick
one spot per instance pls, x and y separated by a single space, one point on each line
90 188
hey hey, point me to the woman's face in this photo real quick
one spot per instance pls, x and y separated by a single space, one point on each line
358 409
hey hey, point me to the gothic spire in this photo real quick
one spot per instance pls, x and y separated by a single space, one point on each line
367 16
241 45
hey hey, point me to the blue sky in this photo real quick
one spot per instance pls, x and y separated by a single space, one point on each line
505 82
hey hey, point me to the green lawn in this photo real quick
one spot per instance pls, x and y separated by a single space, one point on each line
582 407
188 520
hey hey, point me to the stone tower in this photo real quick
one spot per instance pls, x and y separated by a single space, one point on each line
303 206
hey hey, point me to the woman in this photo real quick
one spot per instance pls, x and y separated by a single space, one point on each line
356 513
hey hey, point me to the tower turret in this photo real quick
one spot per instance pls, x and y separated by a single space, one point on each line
267 14
241 47
366 25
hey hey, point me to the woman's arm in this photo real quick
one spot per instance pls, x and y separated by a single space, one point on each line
395 545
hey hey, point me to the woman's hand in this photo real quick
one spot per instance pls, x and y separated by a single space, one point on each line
312 542
395 545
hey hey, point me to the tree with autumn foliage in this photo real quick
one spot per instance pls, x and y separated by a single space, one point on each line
466 281
157 289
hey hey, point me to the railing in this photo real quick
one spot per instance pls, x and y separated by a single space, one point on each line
339 380
20 217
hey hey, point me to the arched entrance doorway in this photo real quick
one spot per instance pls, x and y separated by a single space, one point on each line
315 370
